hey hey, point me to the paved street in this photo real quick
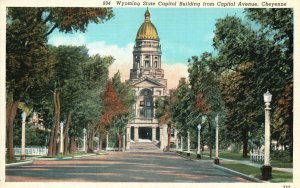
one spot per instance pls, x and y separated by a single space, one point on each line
121 167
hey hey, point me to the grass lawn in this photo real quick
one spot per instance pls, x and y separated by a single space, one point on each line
8 161
253 171
238 156
228 155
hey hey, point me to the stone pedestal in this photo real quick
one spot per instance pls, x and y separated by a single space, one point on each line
217 161
136 134
266 172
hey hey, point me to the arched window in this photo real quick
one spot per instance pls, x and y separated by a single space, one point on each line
146 103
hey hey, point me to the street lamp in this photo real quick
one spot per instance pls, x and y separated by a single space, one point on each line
84 131
188 143
266 169
217 160
199 150
61 149
23 151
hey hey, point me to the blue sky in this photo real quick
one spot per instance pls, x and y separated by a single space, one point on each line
183 33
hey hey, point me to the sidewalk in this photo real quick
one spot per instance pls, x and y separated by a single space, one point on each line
29 159
250 163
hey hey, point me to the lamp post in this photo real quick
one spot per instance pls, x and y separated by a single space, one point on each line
84 135
181 143
106 142
61 148
217 160
23 151
266 169
199 150
188 143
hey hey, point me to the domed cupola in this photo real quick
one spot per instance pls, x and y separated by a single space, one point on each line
147 30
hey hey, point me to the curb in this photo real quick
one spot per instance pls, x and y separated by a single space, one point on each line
62 158
80 156
52 159
19 163
239 173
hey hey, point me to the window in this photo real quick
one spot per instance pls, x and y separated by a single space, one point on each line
155 64
142 103
148 103
147 64
142 113
148 113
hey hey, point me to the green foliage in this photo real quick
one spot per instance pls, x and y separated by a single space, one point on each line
127 95
250 61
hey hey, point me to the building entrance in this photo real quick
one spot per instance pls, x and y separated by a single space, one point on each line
145 133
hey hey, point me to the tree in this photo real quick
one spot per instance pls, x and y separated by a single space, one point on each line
267 52
26 63
113 108
128 98
27 58
163 114
205 86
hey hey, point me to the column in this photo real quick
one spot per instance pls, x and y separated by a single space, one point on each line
136 134
128 138
61 149
136 108
188 142
267 137
106 142
84 139
181 143
142 61
123 149
153 133
23 150
176 140
161 137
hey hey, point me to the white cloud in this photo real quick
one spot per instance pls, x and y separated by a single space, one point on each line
73 40
173 72
123 57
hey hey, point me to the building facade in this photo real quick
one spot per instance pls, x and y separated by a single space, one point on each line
147 78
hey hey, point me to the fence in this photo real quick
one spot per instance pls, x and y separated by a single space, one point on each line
257 156
32 151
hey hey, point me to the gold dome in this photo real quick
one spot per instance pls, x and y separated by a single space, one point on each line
147 30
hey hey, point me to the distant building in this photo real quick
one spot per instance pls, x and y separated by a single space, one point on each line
147 78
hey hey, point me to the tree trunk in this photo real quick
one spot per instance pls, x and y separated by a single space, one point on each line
245 144
169 138
120 141
210 151
72 145
100 143
52 150
11 111
66 133
91 141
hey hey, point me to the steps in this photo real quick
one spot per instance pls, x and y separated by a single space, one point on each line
144 146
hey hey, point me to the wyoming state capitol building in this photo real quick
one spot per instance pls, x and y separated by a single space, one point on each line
147 79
